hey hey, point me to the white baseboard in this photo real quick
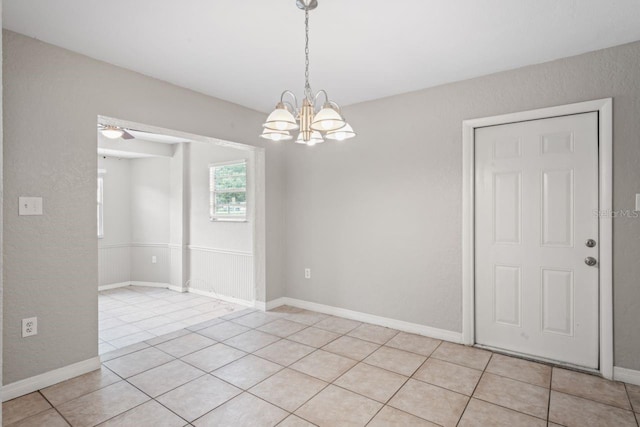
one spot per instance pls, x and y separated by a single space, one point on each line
238 301
400 325
113 286
160 285
626 375
38 382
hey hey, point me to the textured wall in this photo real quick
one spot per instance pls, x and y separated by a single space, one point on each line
378 218
52 99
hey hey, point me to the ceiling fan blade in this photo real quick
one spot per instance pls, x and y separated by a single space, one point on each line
127 135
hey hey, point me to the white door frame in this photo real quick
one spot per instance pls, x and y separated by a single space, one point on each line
604 108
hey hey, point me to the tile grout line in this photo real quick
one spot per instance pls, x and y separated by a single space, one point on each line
474 389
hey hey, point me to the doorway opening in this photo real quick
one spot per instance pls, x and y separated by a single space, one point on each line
180 221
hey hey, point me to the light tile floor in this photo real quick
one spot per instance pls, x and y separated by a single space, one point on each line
137 313
292 367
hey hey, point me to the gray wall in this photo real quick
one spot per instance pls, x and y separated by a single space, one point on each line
1 215
52 99
117 201
150 200
378 219
216 234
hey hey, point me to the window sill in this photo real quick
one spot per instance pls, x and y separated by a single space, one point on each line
228 220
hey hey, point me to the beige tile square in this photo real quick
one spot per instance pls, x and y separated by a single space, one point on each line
185 344
293 421
590 387
244 410
101 405
634 396
307 317
256 319
22 407
286 309
392 417
284 352
462 355
374 383
512 394
48 418
118 332
338 325
323 365
167 337
373 333
223 331
521 370
194 399
247 372
78 386
123 351
314 337
334 406
282 327
350 347
574 411
414 343
160 380
131 339
432 403
168 328
238 313
147 414
140 361
214 357
251 341
481 414
399 361
449 375
288 389
206 324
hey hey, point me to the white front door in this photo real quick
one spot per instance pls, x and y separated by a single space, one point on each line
536 189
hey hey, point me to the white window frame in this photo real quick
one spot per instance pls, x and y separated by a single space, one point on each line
100 201
212 192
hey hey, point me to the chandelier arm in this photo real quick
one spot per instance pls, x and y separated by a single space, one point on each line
320 92
335 104
295 99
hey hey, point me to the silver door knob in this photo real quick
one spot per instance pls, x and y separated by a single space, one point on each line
590 261
590 243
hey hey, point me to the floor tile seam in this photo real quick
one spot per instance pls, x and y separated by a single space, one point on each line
593 401
511 409
476 386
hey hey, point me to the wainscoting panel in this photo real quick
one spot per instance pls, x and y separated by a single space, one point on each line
142 267
114 264
222 272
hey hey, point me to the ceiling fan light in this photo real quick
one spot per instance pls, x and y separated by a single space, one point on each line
281 119
111 132
275 135
341 134
327 120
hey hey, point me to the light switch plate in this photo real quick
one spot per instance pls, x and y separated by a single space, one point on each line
638 202
30 205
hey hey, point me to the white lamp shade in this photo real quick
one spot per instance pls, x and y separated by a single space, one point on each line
281 120
341 134
327 120
316 138
276 135
112 132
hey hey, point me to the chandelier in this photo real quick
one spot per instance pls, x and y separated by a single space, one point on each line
313 126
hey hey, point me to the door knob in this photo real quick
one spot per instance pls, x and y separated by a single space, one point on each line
590 243
590 261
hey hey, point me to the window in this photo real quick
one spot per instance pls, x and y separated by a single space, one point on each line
228 191
100 206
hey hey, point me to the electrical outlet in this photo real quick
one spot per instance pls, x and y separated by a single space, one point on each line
307 273
154 260
29 327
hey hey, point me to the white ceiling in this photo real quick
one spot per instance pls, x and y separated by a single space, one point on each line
249 51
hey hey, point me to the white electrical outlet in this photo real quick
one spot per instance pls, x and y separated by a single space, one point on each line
29 327
154 260
307 273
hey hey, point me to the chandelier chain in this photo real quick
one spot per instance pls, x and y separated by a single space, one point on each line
307 86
